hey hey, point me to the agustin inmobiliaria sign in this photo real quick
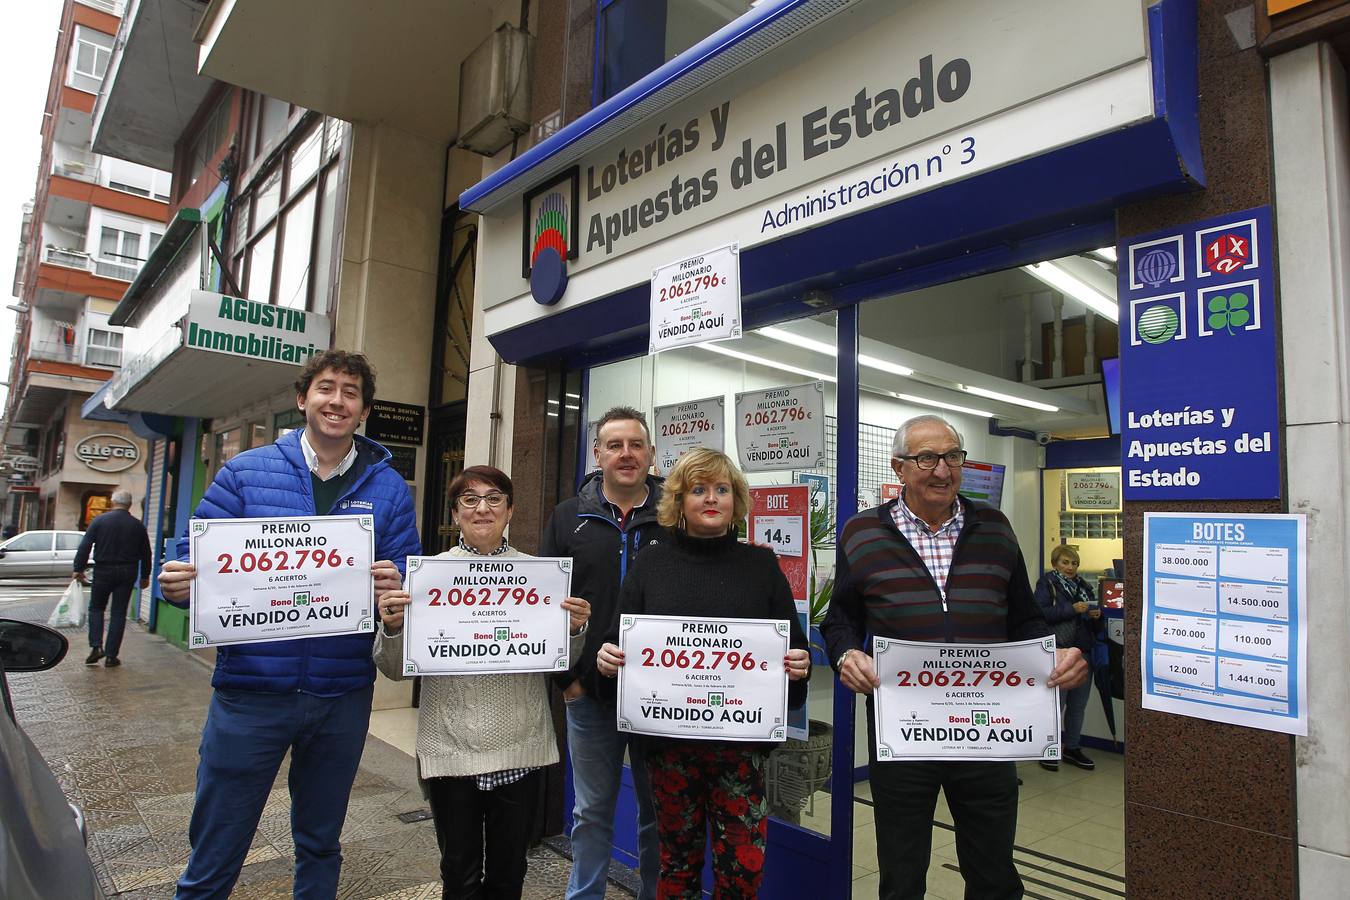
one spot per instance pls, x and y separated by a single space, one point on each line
240 327
1198 399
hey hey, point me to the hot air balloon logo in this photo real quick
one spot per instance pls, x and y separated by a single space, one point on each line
550 226
1156 266
550 235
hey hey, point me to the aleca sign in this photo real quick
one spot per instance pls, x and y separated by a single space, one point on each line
107 452
875 104
239 327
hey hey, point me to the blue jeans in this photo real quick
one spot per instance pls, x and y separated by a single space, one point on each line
1075 704
245 739
113 582
596 747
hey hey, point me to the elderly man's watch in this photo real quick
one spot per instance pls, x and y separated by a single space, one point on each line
839 663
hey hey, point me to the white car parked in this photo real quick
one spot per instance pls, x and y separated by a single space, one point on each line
39 553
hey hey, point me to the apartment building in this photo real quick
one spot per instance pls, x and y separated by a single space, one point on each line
94 221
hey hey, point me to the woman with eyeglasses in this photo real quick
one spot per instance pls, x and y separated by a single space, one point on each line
706 572
481 739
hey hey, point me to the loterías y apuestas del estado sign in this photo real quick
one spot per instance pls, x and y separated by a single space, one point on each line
107 452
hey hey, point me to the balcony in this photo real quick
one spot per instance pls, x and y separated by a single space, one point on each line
152 88
54 351
112 7
80 170
124 269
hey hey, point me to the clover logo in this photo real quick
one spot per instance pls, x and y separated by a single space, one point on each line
1229 312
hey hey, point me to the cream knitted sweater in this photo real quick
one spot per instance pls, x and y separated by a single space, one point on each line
474 724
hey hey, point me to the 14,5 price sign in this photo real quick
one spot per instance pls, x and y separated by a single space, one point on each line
278 579
715 679
491 614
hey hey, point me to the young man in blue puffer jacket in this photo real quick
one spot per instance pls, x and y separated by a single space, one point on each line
310 696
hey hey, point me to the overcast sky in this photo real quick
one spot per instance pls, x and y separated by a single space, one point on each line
27 46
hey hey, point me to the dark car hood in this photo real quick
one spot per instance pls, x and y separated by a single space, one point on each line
42 853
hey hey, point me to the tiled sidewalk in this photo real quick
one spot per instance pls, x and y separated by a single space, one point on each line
123 743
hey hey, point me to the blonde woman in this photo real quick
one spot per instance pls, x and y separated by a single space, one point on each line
1070 607
481 739
703 571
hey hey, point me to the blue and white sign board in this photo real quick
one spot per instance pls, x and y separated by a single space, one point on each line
1224 633
1199 406
820 490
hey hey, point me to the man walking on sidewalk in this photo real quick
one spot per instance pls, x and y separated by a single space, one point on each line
612 517
122 550
308 696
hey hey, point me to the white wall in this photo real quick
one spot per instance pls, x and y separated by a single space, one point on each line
1311 141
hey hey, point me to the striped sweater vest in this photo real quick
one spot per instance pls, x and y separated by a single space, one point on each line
901 599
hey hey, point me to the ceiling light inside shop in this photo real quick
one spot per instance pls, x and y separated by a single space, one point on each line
772 364
796 340
1072 286
1007 398
1106 253
924 401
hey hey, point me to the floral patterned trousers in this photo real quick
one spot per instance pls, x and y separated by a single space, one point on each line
695 787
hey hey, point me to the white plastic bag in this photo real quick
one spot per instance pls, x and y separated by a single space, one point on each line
69 612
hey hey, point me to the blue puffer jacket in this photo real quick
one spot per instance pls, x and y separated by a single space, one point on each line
274 481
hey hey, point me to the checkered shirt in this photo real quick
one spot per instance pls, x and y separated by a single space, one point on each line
490 780
935 548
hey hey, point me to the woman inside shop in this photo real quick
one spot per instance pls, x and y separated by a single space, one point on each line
481 739
705 572
1070 607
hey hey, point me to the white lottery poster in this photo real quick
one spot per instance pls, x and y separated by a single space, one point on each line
681 427
781 428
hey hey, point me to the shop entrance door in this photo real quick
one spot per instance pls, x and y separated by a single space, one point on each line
446 448
969 351
448 391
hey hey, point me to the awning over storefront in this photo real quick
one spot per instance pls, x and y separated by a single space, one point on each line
193 352
850 151
96 409
150 426
395 62
224 352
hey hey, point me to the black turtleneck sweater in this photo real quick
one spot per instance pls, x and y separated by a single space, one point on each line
704 578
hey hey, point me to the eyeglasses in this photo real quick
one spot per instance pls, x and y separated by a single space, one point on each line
954 459
471 501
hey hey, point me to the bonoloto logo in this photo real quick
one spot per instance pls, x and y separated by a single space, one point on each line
1158 324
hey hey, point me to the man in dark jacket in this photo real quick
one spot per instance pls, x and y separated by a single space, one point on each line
122 547
308 696
934 566
603 528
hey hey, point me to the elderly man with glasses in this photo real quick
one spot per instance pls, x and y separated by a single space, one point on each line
935 566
